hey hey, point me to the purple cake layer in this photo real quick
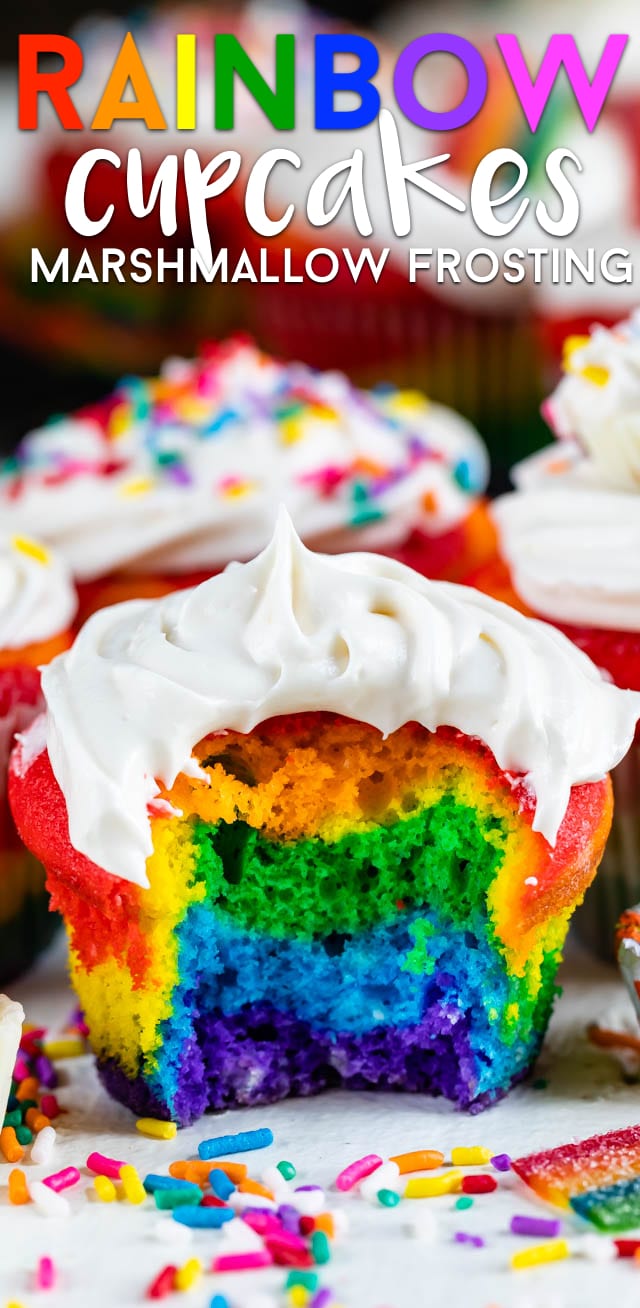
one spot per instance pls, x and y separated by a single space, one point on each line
258 1056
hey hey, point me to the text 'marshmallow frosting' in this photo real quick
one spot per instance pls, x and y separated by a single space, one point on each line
571 530
295 631
37 598
185 472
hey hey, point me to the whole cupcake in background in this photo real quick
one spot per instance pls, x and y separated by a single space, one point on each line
570 552
37 608
318 821
168 480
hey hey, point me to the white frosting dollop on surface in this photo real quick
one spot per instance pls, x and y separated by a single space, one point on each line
294 631
185 472
37 598
571 531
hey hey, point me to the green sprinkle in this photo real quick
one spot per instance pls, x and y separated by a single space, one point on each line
388 1198
540 1084
365 516
290 410
176 1198
308 1280
465 1201
167 457
23 1135
320 1248
26 1104
14 1118
287 1170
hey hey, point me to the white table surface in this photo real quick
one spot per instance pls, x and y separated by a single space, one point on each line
107 1254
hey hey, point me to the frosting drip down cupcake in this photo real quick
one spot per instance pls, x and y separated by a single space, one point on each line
328 769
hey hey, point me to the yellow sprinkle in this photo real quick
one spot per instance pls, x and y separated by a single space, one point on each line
31 549
553 1251
322 413
298 1296
67 1048
158 1130
141 486
14 1304
571 347
120 420
595 373
427 1187
475 1157
237 489
105 1189
291 430
406 403
134 1190
187 1276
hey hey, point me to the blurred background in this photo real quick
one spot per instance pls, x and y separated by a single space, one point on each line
490 351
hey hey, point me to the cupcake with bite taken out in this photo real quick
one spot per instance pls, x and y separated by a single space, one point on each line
167 480
317 822
570 553
37 607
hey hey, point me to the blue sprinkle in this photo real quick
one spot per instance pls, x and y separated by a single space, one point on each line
220 1184
464 475
202 1218
221 420
219 1301
152 1183
220 1145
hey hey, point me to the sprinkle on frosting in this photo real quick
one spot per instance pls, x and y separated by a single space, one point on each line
292 631
37 599
185 471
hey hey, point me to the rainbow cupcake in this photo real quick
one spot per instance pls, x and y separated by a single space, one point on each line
570 553
317 822
169 479
37 606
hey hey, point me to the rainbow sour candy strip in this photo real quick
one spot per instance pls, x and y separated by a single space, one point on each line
559 1175
612 1207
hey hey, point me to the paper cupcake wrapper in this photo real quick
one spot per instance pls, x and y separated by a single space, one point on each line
618 881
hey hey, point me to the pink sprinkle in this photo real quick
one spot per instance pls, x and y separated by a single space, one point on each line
49 1106
285 1240
45 1274
21 1070
103 1166
357 1171
242 1262
262 1221
62 1180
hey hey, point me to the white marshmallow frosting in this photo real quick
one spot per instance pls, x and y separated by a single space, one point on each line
293 631
571 530
37 598
185 472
